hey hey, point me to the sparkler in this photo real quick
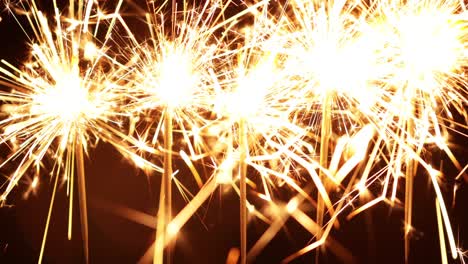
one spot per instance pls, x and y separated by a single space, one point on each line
332 60
173 74
344 92
337 36
56 108
422 89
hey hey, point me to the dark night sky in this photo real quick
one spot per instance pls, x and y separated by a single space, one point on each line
373 237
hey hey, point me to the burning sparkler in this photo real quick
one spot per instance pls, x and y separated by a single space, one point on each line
56 108
426 50
173 74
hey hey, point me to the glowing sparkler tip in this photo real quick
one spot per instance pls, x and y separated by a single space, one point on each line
66 100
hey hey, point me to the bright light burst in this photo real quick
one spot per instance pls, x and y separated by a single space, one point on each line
327 103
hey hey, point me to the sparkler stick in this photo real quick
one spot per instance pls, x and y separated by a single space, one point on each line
165 203
409 175
158 253
168 168
82 196
324 141
244 148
